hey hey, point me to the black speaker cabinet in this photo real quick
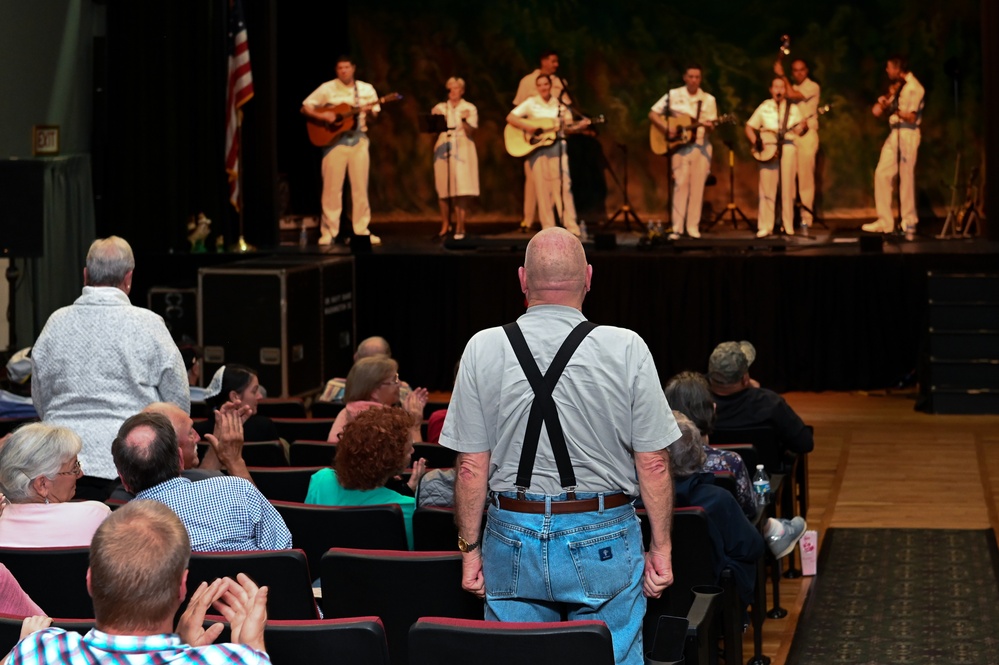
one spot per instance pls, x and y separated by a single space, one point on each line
22 206
290 319
179 309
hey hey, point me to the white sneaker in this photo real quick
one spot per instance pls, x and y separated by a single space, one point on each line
694 233
781 544
375 240
874 227
673 236
762 233
325 239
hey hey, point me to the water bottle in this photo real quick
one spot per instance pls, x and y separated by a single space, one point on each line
582 231
761 486
303 235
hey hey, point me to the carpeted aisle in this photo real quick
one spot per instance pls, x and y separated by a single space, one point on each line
902 596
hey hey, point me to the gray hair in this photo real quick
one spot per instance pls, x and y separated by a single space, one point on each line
108 261
34 450
686 454
455 80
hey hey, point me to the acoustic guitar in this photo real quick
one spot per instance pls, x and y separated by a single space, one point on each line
339 119
520 142
685 129
768 137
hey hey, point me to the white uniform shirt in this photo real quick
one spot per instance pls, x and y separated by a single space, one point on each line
609 399
335 92
809 106
681 102
453 115
910 100
529 87
535 107
768 116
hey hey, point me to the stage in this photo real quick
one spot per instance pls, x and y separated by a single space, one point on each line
823 312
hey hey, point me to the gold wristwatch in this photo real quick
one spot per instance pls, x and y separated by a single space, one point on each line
466 546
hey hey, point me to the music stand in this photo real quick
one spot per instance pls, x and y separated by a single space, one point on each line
435 123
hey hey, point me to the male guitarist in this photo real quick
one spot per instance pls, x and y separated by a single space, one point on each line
691 161
348 153
804 93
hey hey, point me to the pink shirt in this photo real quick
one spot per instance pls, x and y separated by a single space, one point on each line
51 525
13 600
349 412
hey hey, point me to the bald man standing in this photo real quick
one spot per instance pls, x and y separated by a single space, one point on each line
562 539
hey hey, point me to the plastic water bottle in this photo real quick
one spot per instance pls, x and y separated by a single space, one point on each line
582 231
761 486
303 235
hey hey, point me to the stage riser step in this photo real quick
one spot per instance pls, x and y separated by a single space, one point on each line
964 345
942 287
969 375
964 316
964 403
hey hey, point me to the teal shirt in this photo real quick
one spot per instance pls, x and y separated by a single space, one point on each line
325 490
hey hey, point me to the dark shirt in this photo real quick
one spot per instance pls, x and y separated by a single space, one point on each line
738 544
758 407
256 428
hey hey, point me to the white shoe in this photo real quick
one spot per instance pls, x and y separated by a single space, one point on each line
459 236
325 239
789 232
674 236
762 233
874 227
375 240
694 233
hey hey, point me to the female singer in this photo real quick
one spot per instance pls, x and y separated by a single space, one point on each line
455 158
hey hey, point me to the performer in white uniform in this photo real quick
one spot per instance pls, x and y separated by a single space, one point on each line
348 153
898 155
775 120
804 93
690 163
550 164
455 153
528 88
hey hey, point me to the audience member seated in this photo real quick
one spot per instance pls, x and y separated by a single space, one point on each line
100 360
192 361
224 452
374 447
39 467
742 405
237 386
372 346
738 544
13 600
138 579
688 393
223 514
374 382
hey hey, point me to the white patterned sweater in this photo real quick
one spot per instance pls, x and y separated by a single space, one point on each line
99 361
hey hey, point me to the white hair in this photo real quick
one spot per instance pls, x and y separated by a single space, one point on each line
34 450
108 261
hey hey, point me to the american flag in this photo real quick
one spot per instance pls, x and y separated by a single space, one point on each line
239 90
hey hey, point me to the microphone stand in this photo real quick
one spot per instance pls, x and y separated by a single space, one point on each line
779 194
560 137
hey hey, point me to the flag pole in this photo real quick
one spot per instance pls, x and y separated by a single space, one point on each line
241 246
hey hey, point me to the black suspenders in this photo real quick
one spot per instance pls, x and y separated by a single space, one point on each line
543 408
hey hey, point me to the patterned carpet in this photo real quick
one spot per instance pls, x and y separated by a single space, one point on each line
918 596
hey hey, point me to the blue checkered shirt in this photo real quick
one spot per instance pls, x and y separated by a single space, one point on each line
55 645
223 514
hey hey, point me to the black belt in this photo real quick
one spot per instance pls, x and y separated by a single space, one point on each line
559 507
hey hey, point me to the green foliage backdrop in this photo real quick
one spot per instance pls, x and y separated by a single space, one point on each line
620 57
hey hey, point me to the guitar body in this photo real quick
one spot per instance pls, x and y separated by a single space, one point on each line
520 143
324 133
338 119
684 128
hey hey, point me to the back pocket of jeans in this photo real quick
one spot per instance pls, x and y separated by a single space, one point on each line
503 567
604 564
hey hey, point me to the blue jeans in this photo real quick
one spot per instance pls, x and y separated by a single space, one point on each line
578 566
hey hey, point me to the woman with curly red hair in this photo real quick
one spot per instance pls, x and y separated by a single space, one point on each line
374 447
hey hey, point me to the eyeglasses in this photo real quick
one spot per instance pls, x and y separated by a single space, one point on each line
77 470
391 382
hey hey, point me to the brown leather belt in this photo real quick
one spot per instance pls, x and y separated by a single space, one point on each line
560 507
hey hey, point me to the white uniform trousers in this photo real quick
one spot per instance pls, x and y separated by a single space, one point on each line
768 191
544 164
530 196
807 147
691 165
888 166
345 158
